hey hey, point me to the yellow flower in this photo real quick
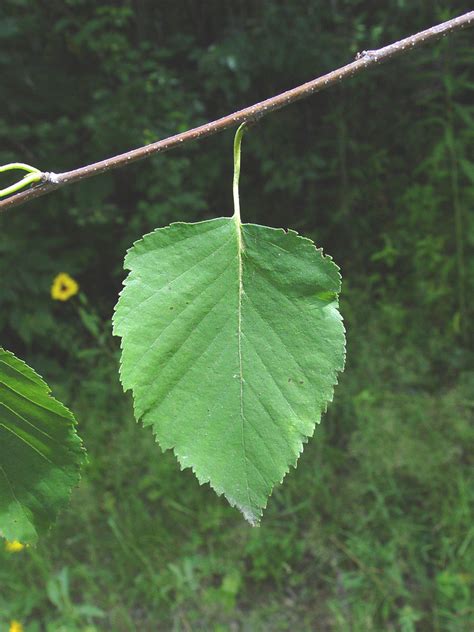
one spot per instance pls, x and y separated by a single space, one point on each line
15 626
14 546
63 287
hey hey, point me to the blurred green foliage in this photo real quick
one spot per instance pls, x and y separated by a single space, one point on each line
373 531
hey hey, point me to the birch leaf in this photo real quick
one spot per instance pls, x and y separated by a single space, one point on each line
40 452
231 345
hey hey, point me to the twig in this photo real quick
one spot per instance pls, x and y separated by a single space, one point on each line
365 59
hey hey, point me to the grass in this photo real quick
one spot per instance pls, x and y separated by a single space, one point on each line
372 532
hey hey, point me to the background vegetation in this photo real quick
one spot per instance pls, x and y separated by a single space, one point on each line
374 529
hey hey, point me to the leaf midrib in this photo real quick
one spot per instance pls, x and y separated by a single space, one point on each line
240 248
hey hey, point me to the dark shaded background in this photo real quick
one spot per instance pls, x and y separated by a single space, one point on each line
373 531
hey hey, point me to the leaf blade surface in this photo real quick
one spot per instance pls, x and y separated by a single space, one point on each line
231 342
40 452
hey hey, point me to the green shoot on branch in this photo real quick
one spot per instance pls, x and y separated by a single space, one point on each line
33 175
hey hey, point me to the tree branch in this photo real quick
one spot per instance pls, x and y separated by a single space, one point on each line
366 59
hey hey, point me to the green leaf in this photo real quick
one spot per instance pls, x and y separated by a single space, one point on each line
40 452
231 343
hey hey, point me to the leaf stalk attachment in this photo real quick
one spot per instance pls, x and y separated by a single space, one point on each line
237 151
32 175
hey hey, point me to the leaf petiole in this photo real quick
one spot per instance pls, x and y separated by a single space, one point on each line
33 175
235 188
